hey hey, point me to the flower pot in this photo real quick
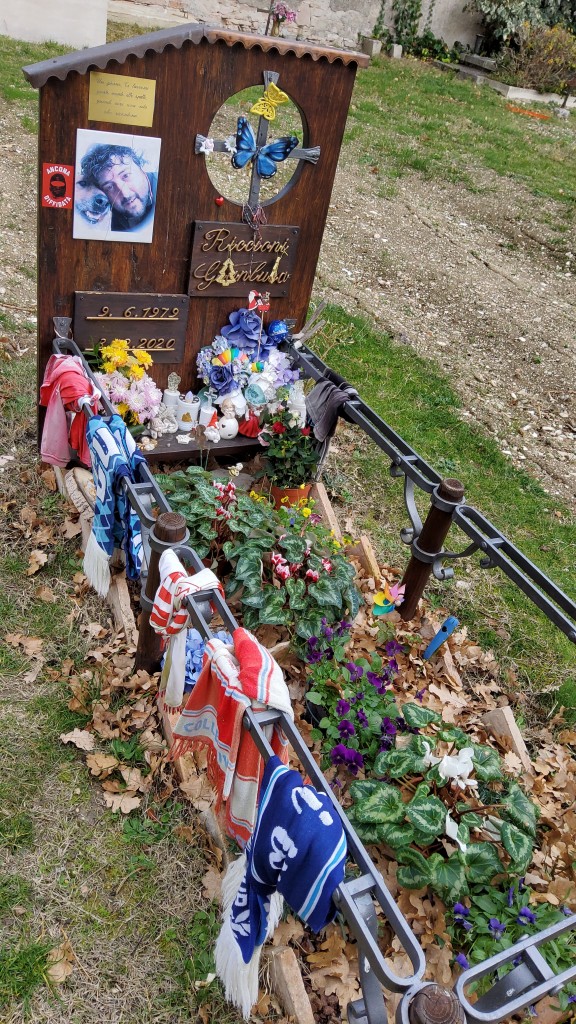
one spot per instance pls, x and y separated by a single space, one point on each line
275 28
284 496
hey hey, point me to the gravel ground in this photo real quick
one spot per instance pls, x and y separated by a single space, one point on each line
470 280
434 266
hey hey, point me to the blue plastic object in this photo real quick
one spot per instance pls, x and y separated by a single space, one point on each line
446 630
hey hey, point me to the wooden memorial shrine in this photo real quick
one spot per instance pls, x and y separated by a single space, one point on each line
213 194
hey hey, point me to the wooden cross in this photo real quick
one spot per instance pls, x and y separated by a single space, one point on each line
310 154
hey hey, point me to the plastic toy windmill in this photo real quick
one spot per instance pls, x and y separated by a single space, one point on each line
385 601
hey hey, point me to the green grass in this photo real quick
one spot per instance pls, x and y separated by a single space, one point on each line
14 88
414 398
22 970
408 116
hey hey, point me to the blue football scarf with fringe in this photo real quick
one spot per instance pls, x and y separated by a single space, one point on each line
297 851
114 457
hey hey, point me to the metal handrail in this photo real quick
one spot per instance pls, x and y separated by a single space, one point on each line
497 549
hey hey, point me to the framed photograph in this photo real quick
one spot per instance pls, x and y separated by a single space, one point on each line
116 182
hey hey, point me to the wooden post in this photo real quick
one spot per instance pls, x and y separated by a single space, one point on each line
435 1005
450 493
170 528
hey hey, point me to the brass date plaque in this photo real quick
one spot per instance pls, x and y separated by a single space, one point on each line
155 323
233 259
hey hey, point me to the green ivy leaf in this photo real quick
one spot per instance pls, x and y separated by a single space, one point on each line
486 764
382 806
517 844
519 809
417 717
427 813
482 862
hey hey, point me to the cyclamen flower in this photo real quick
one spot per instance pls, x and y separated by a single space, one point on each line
312 575
327 564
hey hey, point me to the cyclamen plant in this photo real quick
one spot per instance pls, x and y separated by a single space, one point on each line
291 450
456 788
284 565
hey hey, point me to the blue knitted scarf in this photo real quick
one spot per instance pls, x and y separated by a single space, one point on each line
298 851
114 457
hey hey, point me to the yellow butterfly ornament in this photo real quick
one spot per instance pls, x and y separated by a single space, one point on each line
272 98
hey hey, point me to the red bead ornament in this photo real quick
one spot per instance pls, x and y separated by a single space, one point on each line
219 200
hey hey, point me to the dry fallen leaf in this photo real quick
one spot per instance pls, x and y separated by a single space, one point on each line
70 529
36 561
212 884
80 738
45 594
124 802
101 765
61 960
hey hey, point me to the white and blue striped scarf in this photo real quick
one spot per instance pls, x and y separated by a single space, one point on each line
297 851
114 457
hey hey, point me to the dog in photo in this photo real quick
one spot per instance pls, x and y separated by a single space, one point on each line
92 205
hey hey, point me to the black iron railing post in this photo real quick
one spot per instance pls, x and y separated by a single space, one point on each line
428 544
168 531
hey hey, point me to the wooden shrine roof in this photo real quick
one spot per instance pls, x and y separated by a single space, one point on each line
99 57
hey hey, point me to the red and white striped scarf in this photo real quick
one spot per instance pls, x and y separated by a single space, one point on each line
169 617
232 680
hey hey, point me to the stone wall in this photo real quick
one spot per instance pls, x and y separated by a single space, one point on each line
30 20
338 23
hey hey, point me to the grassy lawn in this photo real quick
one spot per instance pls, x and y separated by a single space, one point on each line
417 401
408 116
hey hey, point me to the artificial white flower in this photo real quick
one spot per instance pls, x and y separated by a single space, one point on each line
207 146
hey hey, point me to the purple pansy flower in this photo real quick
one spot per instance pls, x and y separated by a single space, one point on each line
342 707
346 729
362 718
392 647
526 916
460 910
420 694
356 671
462 961
352 759
343 626
497 929
314 656
387 727
385 745
510 899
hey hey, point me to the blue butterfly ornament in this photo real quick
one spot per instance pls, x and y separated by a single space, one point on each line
266 157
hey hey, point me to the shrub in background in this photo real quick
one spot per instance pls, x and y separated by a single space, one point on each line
545 60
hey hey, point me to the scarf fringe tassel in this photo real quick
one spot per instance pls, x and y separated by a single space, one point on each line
96 566
240 980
